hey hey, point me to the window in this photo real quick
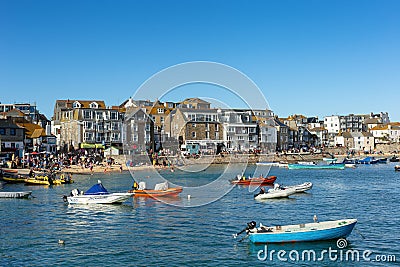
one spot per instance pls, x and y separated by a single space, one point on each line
135 138
2 131
12 131
76 104
160 111
162 120
114 116
87 114
93 105
207 135
99 115
88 125
194 134
216 127
194 125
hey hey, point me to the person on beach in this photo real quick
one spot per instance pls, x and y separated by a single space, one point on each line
120 168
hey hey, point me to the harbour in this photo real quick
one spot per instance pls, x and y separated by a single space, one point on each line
148 232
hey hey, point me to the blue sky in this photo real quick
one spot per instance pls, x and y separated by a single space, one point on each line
308 57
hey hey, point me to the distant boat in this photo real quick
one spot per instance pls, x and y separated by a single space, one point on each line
397 168
316 231
275 193
300 187
382 160
330 159
338 166
97 194
10 194
160 190
394 159
254 181
367 160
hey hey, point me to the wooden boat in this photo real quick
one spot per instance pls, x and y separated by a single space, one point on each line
336 166
255 181
160 190
21 194
300 187
275 193
316 231
97 194
157 193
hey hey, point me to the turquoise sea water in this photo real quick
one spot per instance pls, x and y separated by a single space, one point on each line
146 232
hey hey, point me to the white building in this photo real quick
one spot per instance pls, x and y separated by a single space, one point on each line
388 132
332 124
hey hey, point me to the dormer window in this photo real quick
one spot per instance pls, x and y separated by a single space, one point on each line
94 105
76 104
160 110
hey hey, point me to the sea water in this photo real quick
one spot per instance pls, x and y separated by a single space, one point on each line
147 232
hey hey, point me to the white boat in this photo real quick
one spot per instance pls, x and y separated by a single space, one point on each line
300 187
21 194
97 194
276 192
350 165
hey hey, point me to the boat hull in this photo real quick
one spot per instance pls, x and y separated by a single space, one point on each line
170 192
114 198
276 194
317 167
301 187
310 232
22 194
256 181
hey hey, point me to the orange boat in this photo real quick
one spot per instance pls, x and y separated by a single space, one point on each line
255 181
170 192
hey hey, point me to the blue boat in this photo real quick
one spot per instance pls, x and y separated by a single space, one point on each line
332 166
315 231
367 160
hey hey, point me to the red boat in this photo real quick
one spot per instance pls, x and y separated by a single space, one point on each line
170 192
256 181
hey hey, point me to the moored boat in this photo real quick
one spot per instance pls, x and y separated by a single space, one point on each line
255 181
315 231
10 194
160 190
367 160
394 159
397 168
97 194
300 187
276 192
14 179
336 166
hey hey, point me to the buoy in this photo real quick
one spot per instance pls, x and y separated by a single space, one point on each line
188 197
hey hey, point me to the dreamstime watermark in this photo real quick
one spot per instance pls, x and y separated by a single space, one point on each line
230 80
340 253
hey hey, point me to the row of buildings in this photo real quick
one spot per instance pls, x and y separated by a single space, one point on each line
191 125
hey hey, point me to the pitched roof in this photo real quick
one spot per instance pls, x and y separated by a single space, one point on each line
380 128
195 100
84 103
32 130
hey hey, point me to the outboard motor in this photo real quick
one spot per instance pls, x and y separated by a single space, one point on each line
75 192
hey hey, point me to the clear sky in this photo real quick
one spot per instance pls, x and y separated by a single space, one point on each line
314 58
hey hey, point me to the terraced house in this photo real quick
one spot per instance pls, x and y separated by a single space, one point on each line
87 124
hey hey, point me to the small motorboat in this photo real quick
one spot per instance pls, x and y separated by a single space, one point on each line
42 179
394 158
276 192
382 160
331 166
254 181
160 190
397 168
300 188
10 194
367 160
303 232
97 194
14 179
